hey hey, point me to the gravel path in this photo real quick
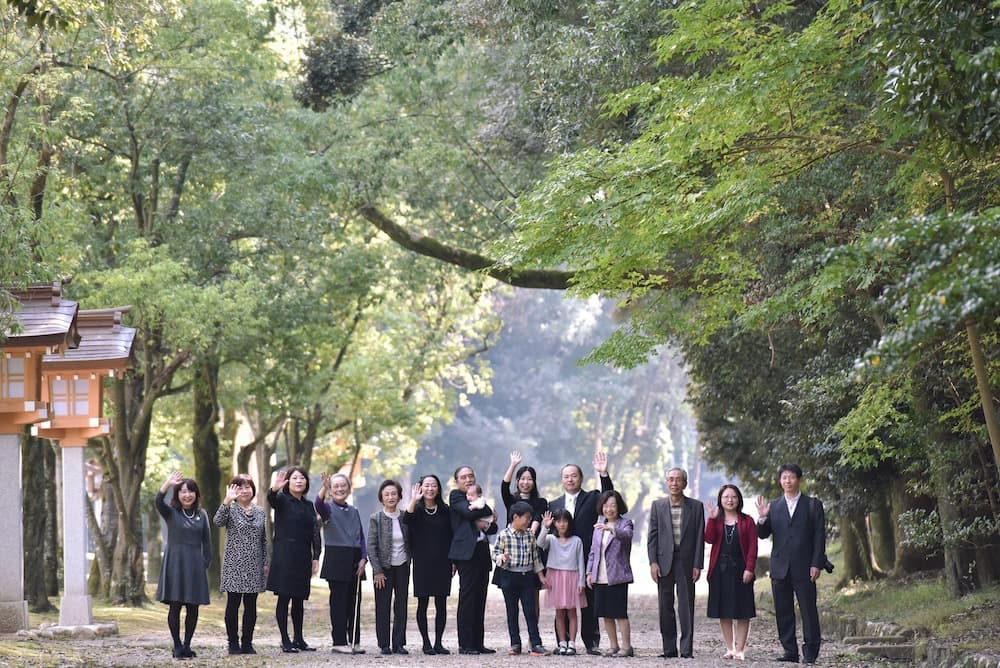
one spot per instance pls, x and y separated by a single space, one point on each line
153 648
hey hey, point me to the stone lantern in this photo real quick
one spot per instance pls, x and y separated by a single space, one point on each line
45 324
73 386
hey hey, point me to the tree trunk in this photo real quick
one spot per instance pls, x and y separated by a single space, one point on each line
206 448
910 559
854 540
103 533
883 532
154 545
35 516
53 535
983 385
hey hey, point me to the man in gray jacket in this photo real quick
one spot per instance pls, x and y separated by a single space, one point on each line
676 546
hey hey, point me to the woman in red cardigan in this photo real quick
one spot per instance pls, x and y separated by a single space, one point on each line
733 536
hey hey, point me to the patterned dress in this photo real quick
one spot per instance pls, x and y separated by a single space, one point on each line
245 556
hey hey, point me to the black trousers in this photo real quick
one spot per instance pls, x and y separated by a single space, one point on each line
344 625
392 597
783 592
473 581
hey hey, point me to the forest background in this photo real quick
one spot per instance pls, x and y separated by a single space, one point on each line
343 225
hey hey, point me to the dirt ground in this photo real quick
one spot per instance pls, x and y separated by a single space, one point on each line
149 645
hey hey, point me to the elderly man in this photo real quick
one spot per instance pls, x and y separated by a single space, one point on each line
676 546
582 505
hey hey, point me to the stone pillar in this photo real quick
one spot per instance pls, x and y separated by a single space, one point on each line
75 608
13 607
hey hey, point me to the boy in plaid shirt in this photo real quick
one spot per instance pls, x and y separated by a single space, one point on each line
517 558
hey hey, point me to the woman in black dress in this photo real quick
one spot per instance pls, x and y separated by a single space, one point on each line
429 524
188 552
733 536
296 548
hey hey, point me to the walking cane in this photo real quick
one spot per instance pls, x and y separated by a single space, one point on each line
356 621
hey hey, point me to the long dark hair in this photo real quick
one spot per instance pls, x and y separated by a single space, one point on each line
739 497
439 500
533 494
192 486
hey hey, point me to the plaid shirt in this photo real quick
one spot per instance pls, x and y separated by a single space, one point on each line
520 547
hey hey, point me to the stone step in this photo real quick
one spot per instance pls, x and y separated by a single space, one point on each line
876 640
886 651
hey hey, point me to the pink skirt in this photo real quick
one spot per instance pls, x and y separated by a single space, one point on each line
563 591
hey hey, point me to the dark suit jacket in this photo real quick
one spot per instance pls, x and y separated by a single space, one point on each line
464 532
660 540
799 542
585 512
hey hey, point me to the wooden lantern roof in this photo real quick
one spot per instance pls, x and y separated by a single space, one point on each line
104 343
46 320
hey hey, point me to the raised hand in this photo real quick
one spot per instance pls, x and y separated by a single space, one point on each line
325 479
712 509
515 458
547 519
232 492
279 480
175 478
601 463
763 507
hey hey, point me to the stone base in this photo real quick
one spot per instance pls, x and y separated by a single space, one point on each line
13 616
75 611
81 631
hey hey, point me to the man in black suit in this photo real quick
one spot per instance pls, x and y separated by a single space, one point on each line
798 554
583 507
470 550
676 548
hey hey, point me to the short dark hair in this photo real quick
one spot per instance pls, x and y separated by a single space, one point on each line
390 483
521 508
793 468
579 470
619 501
241 479
289 472
192 486
454 475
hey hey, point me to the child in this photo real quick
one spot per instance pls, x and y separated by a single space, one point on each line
474 495
520 571
566 575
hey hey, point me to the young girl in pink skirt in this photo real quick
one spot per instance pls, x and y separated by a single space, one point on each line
566 575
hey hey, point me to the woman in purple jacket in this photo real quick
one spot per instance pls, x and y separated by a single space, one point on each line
609 571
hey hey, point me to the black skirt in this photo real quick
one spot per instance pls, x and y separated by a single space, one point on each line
728 597
611 601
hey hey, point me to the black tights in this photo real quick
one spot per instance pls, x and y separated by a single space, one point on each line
282 615
440 617
233 601
174 622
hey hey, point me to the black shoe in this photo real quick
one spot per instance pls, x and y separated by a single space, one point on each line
188 652
466 650
441 649
809 660
787 658
234 648
178 652
667 655
400 650
301 645
247 648
289 647
486 650
687 656
384 650
593 651
428 650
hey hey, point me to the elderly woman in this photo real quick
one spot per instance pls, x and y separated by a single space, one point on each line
244 561
296 548
429 521
609 571
344 559
389 552
188 552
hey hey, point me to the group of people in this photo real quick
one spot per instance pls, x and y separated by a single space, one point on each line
576 548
